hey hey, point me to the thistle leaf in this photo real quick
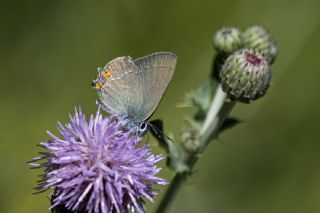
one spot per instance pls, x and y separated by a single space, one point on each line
200 98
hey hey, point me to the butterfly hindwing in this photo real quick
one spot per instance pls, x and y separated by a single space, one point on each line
117 94
156 72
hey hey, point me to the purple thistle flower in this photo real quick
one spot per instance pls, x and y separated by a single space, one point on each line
97 166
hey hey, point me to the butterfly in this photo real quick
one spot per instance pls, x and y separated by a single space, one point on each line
133 89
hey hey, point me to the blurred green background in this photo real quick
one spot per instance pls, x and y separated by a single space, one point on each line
49 54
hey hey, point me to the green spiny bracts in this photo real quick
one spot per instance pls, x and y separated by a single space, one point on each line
258 38
245 76
227 40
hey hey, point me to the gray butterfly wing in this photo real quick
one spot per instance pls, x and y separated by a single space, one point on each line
156 71
120 92
135 88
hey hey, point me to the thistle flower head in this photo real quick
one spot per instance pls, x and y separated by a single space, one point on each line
227 40
245 76
96 166
258 38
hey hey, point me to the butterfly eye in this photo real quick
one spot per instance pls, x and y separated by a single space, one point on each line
143 127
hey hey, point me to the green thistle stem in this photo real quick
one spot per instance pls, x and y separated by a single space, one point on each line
218 112
220 107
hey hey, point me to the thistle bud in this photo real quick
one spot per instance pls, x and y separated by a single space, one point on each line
227 40
245 76
259 39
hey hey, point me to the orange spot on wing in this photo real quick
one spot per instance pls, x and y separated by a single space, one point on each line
98 85
106 74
